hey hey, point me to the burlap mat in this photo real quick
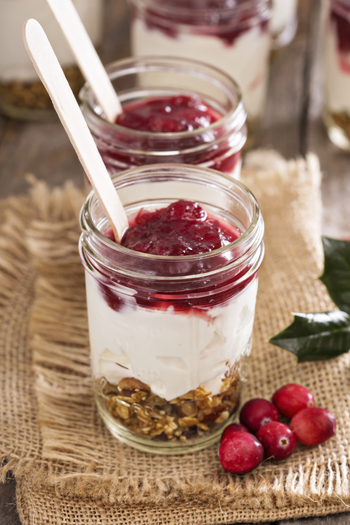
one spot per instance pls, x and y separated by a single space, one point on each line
67 464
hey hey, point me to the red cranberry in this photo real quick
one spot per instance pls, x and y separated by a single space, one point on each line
167 115
292 398
313 426
235 427
240 452
278 440
256 413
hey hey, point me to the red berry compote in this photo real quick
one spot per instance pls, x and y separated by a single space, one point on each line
171 307
174 110
177 114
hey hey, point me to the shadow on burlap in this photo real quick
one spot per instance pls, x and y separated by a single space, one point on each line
50 432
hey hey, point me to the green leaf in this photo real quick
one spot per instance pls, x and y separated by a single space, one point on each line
316 337
336 274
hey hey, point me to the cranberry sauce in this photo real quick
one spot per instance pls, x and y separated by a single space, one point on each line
183 228
209 17
175 114
168 115
340 17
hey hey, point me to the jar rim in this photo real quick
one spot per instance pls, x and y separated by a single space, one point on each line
236 114
250 239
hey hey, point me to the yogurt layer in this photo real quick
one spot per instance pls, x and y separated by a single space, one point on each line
171 352
246 60
283 15
15 63
337 74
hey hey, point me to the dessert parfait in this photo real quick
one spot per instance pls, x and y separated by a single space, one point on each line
22 95
337 51
284 22
171 307
232 36
174 110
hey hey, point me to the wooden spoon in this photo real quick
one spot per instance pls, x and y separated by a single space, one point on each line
53 78
86 57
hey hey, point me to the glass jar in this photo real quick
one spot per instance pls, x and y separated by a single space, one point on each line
170 336
233 38
22 95
337 71
217 146
284 22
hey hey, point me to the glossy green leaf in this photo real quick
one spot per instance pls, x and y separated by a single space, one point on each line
336 274
316 336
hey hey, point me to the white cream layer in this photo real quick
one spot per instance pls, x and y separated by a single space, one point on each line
14 60
337 80
172 353
284 13
247 60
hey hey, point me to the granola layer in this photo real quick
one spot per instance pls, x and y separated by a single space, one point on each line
132 404
33 95
342 120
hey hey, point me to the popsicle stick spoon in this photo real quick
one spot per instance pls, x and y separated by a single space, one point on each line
86 57
53 78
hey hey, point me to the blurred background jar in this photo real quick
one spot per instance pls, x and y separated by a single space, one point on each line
234 38
284 22
337 71
22 95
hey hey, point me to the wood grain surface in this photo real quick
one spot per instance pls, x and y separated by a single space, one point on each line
292 125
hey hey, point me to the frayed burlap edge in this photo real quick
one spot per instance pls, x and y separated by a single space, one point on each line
42 506
20 442
16 295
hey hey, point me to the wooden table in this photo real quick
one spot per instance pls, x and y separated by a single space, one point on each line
292 125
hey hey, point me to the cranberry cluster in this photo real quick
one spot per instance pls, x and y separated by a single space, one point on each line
260 432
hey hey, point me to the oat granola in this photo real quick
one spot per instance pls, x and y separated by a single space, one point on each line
33 95
132 404
343 121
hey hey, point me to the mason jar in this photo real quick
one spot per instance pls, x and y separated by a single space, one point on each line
170 336
217 146
233 36
22 94
337 71
284 22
